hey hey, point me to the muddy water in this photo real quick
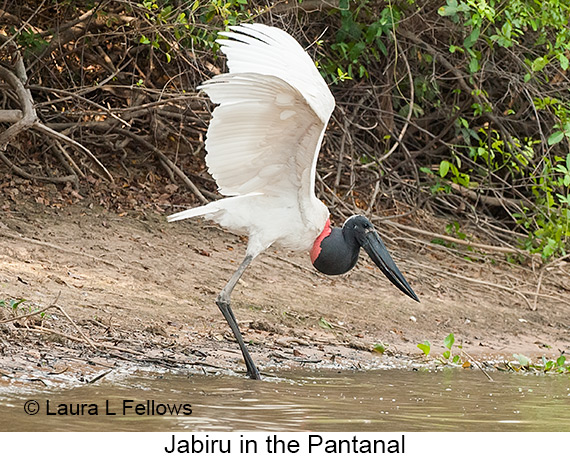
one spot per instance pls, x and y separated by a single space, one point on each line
384 400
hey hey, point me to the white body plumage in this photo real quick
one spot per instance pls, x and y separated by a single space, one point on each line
263 140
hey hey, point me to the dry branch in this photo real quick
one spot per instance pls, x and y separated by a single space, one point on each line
169 163
29 116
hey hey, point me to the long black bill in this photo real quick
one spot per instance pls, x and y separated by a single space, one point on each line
375 248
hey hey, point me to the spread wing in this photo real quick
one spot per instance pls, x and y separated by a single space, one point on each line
274 106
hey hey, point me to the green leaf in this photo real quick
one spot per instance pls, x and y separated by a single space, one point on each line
425 347
446 354
563 62
539 63
524 361
380 45
472 38
380 348
444 168
324 323
449 341
556 137
448 10
16 303
507 29
474 65
456 359
560 360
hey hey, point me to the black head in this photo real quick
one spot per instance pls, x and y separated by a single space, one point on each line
337 252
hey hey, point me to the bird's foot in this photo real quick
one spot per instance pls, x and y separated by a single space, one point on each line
223 302
254 374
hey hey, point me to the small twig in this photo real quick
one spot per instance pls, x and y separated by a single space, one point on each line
99 376
168 162
69 159
24 174
45 308
80 340
2 373
534 306
410 110
85 337
474 362
490 284
483 247
62 137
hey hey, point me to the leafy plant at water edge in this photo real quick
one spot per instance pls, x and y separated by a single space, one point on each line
425 347
523 363
447 356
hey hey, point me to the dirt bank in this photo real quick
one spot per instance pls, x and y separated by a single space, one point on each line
142 292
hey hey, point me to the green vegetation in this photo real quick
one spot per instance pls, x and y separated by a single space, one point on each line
460 106
447 357
524 364
380 348
13 305
520 364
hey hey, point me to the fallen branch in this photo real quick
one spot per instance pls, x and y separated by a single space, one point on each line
168 162
10 115
62 137
29 116
483 247
498 202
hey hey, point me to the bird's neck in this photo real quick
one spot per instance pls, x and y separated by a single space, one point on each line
336 252
316 249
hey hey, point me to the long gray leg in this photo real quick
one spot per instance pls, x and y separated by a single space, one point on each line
223 302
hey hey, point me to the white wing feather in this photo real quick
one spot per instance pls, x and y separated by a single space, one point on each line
274 107
258 48
264 138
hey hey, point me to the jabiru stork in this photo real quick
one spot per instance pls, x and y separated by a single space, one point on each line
262 146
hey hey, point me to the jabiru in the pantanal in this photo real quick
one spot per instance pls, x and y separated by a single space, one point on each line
262 146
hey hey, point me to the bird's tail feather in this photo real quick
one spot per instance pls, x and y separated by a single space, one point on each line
192 212
210 208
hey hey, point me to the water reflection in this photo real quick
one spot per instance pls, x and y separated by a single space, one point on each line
384 400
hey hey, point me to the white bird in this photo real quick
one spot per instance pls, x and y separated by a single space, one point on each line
262 147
